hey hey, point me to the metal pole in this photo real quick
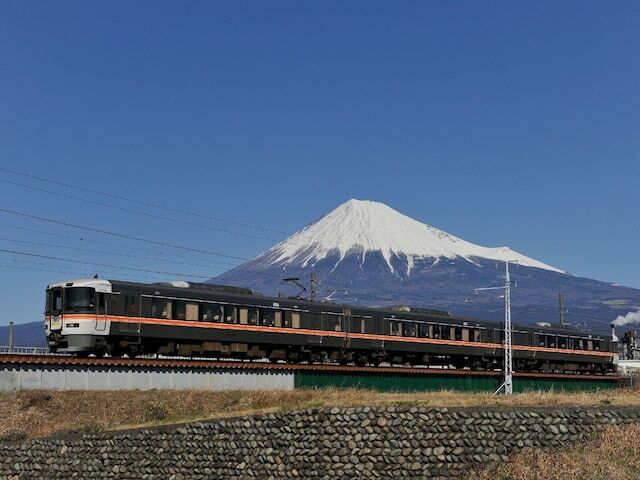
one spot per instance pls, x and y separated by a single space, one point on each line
508 358
314 286
561 299
10 337
508 344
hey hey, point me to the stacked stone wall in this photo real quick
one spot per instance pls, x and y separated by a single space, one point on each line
392 442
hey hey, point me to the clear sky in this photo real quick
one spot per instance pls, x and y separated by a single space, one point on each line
505 123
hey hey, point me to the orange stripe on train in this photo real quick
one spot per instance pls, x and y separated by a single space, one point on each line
326 333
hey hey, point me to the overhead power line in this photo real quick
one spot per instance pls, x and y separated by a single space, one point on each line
140 202
99 252
119 235
137 212
117 245
79 272
48 257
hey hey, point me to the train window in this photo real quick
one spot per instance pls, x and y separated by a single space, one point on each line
457 333
192 312
562 342
394 328
465 335
80 299
161 308
295 319
145 306
210 312
331 323
551 341
409 329
435 331
477 335
286 319
230 314
179 310
115 304
253 316
589 345
244 316
102 303
277 318
539 340
423 330
56 301
358 325
445 332
596 345
268 317
133 306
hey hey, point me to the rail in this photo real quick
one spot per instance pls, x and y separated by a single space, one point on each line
5 349
185 363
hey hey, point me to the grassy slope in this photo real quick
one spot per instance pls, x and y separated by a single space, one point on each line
40 413
615 455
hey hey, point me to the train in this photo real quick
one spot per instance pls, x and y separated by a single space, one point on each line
94 316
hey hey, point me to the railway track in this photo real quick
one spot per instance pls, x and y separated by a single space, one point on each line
200 364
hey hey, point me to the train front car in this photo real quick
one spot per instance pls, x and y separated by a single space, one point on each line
75 316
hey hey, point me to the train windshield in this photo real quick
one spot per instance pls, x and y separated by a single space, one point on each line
54 301
80 299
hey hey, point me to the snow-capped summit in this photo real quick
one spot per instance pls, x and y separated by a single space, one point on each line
361 226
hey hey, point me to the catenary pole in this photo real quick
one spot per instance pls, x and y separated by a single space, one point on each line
507 385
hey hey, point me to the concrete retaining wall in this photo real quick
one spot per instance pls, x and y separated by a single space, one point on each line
35 377
333 443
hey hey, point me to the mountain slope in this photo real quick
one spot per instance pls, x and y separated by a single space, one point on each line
24 335
367 253
361 226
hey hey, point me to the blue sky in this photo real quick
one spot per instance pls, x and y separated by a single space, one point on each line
503 123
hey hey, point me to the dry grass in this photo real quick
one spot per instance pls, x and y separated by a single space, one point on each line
41 413
615 455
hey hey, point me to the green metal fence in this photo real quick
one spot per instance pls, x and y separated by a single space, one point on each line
466 383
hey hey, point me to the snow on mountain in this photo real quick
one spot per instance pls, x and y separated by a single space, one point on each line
362 226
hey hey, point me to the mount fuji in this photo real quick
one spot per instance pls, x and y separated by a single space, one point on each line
365 252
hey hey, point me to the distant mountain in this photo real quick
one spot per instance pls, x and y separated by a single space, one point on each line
380 257
24 335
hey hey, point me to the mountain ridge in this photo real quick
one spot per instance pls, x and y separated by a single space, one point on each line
360 226
381 257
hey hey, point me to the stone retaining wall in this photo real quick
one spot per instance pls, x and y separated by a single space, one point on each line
392 442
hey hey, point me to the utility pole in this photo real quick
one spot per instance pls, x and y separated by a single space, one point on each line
507 385
314 286
561 300
10 337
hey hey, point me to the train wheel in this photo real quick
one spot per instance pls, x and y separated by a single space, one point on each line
361 361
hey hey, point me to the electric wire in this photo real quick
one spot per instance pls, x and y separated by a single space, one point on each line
257 263
76 273
49 257
138 212
88 250
140 202
119 235
83 239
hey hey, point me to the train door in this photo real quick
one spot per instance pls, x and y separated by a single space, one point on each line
346 327
55 308
378 329
316 325
133 313
101 316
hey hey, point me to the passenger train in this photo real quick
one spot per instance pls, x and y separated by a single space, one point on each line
117 318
